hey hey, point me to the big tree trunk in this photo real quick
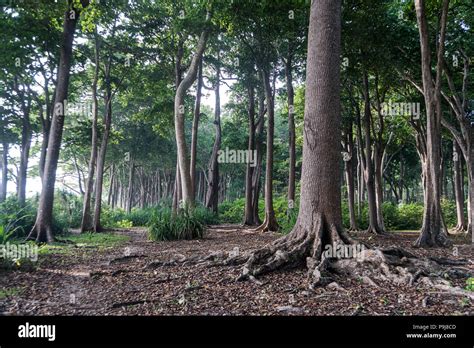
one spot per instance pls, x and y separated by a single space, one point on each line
433 232
194 133
183 160
320 220
42 230
212 196
86 223
4 167
270 222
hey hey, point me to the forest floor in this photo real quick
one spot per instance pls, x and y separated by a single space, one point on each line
92 277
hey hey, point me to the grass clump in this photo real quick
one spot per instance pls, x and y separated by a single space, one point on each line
166 226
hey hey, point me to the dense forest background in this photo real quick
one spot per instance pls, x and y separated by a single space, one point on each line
159 85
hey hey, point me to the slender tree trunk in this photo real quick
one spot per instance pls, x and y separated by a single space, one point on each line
249 216
103 151
349 174
86 224
433 232
24 157
42 230
291 130
369 172
458 180
131 175
4 168
194 133
269 223
184 164
258 168
212 196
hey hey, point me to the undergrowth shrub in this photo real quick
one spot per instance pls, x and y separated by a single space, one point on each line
166 226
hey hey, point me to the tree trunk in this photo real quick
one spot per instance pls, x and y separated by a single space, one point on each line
270 222
291 130
212 196
183 160
368 164
86 223
24 157
458 180
433 232
131 175
319 221
43 229
249 216
103 150
349 174
194 132
4 167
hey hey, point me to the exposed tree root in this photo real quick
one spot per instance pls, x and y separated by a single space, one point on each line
269 224
41 233
306 246
430 237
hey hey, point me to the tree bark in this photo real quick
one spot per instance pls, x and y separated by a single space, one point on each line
103 149
183 160
291 130
86 223
4 167
43 229
194 133
248 215
270 223
212 196
458 179
433 232
320 219
349 174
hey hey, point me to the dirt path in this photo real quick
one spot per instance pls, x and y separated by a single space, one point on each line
117 281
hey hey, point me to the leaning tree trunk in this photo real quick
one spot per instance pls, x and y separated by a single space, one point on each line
433 232
269 223
183 160
43 228
86 223
320 219
212 196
